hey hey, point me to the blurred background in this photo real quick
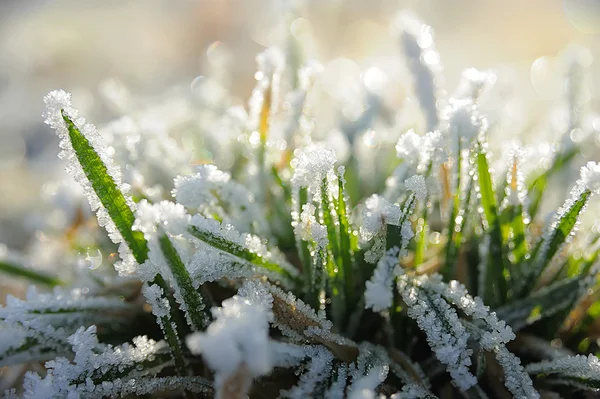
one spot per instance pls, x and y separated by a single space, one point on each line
151 45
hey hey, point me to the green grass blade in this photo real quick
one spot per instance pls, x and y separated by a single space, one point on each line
107 191
421 237
333 258
494 280
579 372
542 304
240 252
31 275
519 243
552 241
346 249
193 301
121 214
451 256
537 186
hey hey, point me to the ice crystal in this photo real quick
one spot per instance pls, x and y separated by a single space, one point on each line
378 212
445 334
378 292
211 190
590 175
238 338
311 167
85 374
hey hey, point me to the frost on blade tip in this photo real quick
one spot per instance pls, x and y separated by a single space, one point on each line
308 228
417 149
270 66
417 185
211 191
409 146
590 175
473 83
377 213
462 120
379 289
311 166
236 344
423 61
194 191
58 102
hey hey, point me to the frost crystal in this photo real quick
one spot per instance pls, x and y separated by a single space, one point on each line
473 82
224 260
463 120
270 65
590 175
417 185
377 213
307 228
311 167
318 371
378 292
237 342
445 333
211 191
516 190
93 361
154 220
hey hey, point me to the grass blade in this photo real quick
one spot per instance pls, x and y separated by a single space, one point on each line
232 248
494 280
107 191
346 249
121 215
31 275
555 237
194 305
537 186
542 304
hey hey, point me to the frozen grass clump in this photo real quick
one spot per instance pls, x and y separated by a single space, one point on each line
403 259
